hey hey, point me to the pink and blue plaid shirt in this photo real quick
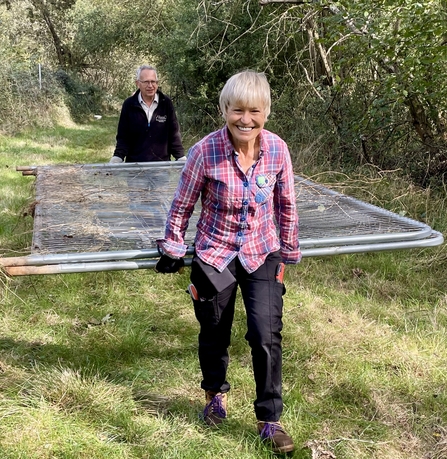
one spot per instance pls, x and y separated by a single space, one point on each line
238 209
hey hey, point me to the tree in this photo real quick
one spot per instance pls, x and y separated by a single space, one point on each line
388 58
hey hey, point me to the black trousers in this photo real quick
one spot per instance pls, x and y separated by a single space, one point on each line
262 297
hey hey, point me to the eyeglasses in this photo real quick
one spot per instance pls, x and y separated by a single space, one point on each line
149 82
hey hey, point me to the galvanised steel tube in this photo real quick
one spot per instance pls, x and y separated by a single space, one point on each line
32 170
65 268
337 245
84 257
51 259
36 260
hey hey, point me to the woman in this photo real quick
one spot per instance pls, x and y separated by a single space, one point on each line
243 175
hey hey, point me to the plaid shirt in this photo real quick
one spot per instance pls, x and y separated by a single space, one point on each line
238 209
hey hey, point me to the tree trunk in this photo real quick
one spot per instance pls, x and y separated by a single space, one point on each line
62 51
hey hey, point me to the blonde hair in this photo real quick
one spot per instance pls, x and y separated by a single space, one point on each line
247 88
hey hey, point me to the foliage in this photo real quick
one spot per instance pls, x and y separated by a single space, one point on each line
19 76
106 46
404 43
83 99
353 82
207 42
19 85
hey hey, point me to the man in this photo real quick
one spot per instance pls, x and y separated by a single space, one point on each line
148 129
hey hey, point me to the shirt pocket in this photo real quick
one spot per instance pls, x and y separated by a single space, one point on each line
262 191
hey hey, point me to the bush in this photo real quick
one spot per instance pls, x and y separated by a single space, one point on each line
26 101
82 98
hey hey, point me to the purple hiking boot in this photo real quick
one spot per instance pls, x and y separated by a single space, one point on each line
216 408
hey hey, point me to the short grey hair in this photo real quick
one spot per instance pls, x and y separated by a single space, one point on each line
145 67
248 88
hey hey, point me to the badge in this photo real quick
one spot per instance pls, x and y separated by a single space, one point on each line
265 184
261 181
259 197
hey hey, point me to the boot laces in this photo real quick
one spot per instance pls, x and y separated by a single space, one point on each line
269 430
216 407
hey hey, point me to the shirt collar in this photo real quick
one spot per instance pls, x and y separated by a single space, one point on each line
229 148
140 99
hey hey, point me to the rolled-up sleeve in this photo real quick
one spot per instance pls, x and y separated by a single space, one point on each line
286 213
187 193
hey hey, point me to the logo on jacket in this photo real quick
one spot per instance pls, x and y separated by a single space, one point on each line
161 119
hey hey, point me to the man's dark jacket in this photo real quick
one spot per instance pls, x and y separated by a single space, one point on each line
139 141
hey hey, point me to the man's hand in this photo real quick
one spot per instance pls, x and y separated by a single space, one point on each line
168 265
115 159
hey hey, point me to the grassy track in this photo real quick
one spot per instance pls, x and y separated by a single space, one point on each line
365 346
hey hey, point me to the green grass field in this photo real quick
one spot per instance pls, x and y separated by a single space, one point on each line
104 365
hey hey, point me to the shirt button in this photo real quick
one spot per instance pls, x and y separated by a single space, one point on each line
243 218
239 233
245 202
245 184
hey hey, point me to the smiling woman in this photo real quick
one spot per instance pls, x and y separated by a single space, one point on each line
244 126
237 239
246 89
245 105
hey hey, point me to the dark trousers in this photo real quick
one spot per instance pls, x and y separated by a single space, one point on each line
262 297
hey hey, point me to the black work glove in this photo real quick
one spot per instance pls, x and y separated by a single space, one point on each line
168 265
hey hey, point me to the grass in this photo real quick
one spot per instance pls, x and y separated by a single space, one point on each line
104 365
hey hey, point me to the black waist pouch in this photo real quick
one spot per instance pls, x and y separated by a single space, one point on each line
208 280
